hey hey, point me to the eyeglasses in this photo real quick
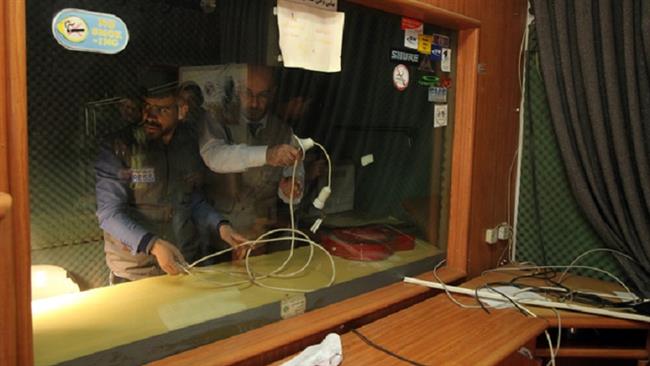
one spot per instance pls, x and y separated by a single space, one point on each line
163 110
262 96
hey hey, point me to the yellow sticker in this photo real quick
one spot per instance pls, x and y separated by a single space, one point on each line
424 43
73 28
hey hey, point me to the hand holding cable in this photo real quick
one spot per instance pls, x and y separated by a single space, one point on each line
234 239
282 155
168 256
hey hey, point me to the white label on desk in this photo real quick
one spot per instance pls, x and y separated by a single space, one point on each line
293 305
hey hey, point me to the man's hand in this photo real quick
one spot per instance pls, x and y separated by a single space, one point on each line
285 187
282 155
168 256
234 239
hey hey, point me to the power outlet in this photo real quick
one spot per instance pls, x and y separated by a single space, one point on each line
504 232
491 236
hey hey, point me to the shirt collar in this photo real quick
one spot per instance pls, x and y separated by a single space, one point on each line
262 122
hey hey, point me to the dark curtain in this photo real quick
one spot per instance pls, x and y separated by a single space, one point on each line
596 66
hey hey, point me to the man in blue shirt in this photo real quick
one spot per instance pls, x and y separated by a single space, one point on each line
149 180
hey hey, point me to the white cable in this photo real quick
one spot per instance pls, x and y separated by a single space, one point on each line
444 287
522 83
510 224
559 338
543 303
254 277
594 251
329 164
550 348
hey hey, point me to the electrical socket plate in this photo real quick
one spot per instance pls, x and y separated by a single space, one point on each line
491 236
504 232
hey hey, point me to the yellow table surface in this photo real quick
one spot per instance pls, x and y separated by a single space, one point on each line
71 326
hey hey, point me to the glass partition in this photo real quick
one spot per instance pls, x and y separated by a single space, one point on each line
367 153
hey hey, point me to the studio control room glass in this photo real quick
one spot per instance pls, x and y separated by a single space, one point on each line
370 183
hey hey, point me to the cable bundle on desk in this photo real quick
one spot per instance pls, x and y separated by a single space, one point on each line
546 273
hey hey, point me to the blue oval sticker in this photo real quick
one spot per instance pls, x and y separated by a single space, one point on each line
81 30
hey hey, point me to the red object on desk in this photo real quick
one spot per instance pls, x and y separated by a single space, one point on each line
368 243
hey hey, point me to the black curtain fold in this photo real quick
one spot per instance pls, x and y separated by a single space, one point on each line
595 60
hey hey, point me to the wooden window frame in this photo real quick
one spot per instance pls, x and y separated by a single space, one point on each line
16 346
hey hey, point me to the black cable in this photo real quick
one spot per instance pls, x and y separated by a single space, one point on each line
478 299
390 353
514 303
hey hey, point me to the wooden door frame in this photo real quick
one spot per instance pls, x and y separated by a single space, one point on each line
15 322
15 291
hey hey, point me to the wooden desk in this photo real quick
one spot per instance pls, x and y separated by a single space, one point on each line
438 332
632 340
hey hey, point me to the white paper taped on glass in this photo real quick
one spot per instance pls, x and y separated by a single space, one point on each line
310 38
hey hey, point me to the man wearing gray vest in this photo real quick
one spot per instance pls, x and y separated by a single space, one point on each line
252 153
149 180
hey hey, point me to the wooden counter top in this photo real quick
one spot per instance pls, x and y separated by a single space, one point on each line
438 332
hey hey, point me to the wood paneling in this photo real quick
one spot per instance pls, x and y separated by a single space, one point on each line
5 204
462 154
497 120
8 326
497 125
15 320
423 11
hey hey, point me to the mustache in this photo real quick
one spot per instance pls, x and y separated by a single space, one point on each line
151 123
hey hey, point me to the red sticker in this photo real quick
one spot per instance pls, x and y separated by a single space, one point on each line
408 23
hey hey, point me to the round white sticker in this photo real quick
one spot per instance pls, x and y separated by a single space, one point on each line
401 77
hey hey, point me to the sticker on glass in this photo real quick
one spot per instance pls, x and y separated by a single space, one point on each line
400 77
425 65
412 29
445 60
437 94
81 30
424 43
404 56
440 115
436 53
440 40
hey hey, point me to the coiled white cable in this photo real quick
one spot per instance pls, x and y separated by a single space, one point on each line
255 277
